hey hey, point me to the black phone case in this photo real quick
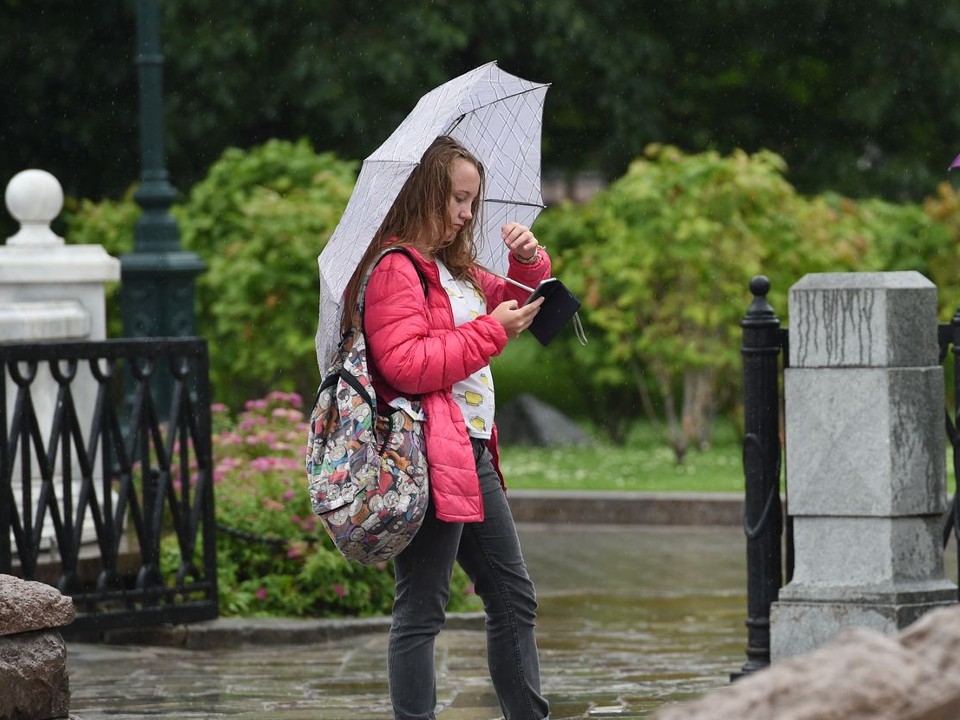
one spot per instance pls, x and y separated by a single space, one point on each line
558 307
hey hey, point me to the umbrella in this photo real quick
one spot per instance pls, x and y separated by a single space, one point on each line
955 163
497 117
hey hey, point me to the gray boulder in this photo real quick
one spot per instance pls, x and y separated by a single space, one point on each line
26 605
34 684
861 675
529 421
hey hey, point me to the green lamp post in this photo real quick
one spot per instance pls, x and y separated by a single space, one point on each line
157 278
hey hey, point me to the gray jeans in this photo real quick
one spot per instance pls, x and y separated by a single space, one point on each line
490 554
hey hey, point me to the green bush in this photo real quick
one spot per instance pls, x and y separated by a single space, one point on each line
259 219
108 223
662 260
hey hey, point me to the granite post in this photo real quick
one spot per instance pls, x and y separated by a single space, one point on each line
865 453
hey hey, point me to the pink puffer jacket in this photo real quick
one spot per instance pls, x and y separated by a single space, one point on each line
414 349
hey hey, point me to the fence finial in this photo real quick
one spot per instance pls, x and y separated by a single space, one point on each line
759 310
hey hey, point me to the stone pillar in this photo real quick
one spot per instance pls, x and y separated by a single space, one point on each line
34 684
51 291
865 452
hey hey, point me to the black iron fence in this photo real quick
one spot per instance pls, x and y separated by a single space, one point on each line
102 493
767 522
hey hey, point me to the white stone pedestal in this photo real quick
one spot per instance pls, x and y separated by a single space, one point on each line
50 291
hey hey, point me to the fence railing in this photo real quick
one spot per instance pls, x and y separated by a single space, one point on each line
102 493
767 523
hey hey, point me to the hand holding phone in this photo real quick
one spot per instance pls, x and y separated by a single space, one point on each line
514 317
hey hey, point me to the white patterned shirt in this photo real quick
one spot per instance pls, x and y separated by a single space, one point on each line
475 394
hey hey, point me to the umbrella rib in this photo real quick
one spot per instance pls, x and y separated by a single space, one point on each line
513 202
456 122
453 125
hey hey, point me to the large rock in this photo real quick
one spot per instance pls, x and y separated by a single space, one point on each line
34 684
33 676
529 421
26 605
860 675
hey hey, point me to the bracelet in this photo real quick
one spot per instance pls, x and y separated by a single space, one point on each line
531 260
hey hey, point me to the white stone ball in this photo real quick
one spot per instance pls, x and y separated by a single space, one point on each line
34 198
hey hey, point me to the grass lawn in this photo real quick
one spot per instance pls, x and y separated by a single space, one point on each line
644 463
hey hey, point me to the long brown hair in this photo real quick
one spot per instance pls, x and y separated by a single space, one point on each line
419 218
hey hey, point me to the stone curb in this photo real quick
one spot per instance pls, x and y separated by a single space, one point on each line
231 633
626 508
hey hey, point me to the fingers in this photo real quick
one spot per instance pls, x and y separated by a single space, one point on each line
521 241
527 313
515 319
530 311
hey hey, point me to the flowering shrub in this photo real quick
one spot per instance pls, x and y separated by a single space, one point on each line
273 556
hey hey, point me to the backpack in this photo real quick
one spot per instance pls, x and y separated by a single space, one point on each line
366 470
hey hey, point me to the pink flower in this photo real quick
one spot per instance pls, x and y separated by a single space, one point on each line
290 398
262 464
289 463
261 593
339 589
289 495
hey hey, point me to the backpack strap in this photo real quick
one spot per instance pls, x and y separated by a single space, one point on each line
416 265
363 288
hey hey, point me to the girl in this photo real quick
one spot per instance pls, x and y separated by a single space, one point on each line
436 342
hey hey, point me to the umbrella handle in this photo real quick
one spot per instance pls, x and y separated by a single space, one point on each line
504 277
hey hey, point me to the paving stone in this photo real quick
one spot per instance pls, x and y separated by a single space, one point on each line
632 619
627 624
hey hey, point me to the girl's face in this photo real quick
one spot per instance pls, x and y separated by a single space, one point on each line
464 188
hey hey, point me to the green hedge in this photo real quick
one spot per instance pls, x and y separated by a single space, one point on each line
258 220
661 260
663 257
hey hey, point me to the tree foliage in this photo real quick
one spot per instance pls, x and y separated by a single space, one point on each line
258 220
857 96
662 260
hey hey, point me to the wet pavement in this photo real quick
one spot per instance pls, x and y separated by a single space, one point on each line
631 618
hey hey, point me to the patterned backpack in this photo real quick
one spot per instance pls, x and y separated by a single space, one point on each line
366 471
